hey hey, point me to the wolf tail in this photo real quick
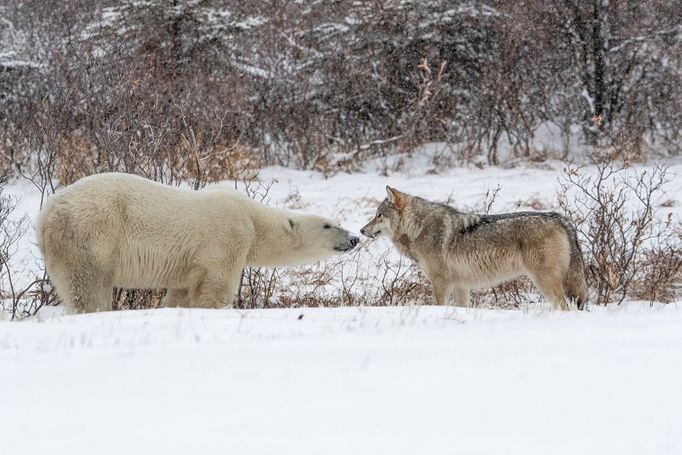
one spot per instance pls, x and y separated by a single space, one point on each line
575 284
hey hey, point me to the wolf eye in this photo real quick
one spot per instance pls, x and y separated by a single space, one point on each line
379 215
327 226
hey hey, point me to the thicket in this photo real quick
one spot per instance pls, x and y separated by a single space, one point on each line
148 86
203 90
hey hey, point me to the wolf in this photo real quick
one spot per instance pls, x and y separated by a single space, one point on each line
463 251
120 230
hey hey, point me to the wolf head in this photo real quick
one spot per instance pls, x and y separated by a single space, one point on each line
388 214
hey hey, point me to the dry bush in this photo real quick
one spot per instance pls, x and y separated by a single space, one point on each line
353 279
510 294
356 279
534 203
74 160
134 299
660 274
625 243
23 299
11 231
257 287
143 86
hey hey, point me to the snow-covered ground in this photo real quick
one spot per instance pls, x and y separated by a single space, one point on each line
411 380
396 380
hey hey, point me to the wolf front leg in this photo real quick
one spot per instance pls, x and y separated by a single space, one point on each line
442 289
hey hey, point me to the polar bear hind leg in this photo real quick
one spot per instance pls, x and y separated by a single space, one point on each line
84 287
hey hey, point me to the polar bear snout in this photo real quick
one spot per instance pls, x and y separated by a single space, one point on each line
350 242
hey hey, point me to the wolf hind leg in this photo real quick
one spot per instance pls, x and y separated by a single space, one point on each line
576 294
551 286
575 286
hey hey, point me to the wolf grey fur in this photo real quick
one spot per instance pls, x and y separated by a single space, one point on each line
463 251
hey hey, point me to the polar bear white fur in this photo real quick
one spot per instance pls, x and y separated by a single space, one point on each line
119 230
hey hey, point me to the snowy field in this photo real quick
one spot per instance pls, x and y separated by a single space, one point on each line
397 380
412 380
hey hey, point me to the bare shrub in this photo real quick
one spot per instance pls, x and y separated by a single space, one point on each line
510 294
401 282
613 211
134 299
257 287
534 203
356 279
327 85
660 274
24 299
12 231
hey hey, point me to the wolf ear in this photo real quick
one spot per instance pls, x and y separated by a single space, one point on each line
292 225
396 198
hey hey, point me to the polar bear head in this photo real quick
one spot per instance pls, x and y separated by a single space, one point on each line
316 237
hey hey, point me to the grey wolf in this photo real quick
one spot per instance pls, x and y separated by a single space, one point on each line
120 230
463 251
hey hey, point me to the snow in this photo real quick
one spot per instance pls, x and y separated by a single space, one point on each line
10 60
399 380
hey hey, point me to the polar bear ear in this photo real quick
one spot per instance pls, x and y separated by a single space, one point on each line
292 225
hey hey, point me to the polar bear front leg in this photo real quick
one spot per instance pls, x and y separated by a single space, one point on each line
176 298
215 290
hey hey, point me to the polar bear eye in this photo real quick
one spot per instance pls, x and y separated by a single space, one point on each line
327 226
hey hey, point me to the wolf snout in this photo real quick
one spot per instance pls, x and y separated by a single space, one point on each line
354 241
364 231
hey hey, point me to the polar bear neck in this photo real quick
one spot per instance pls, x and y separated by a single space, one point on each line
274 243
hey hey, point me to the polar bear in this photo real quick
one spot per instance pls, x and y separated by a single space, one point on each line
120 230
